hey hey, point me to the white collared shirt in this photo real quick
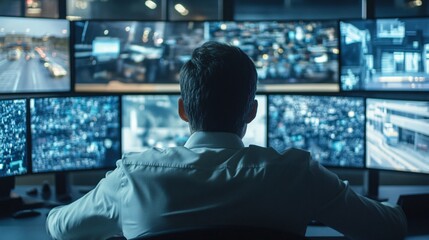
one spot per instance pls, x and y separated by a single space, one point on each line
215 180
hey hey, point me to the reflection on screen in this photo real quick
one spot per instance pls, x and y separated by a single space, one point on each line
13 132
397 135
127 55
330 127
286 53
74 133
385 54
34 55
152 121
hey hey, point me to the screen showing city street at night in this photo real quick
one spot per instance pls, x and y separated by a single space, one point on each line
34 55
74 133
385 55
330 127
13 131
289 55
397 135
152 121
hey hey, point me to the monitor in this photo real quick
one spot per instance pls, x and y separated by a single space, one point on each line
331 128
397 135
13 135
130 56
74 133
34 55
385 55
289 55
152 121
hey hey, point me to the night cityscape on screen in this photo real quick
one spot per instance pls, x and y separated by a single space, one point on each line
330 127
75 133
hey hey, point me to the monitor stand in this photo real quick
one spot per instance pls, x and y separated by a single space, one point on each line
371 184
9 201
63 187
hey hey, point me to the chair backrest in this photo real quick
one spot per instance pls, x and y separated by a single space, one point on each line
224 232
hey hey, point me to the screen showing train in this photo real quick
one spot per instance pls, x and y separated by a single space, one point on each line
74 133
133 55
385 55
330 127
152 121
147 56
34 55
397 135
13 131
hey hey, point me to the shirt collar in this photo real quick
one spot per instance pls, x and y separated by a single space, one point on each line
214 140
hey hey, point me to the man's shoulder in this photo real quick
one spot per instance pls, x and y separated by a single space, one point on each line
169 157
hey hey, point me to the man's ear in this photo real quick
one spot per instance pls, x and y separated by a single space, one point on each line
252 113
181 110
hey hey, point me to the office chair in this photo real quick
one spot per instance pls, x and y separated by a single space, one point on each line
224 232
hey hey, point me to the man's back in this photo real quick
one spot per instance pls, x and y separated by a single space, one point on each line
214 180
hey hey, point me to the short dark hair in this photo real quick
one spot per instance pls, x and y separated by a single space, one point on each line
218 86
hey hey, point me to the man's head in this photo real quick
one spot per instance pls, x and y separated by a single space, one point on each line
218 88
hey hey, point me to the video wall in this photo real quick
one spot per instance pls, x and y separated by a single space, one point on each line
355 93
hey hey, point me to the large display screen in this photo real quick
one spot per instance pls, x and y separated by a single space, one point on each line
34 55
74 133
13 131
133 56
330 127
385 55
152 121
397 135
289 56
129 56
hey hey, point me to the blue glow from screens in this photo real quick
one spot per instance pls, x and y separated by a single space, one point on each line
385 54
330 127
34 55
397 135
74 133
152 121
13 132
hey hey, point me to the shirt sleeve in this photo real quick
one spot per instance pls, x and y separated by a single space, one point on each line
338 206
93 216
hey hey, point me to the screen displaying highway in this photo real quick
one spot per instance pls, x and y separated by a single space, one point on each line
13 142
152 121
330 127
74 133
397 135
34 55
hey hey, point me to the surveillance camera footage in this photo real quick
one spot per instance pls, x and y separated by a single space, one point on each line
385 55
75 133
397 135
13 133
286 53
152 121
127 55
330 127
34 55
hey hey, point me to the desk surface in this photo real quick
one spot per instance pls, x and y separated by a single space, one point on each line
34 227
